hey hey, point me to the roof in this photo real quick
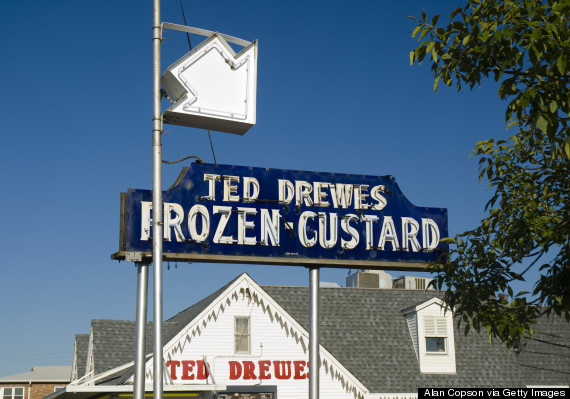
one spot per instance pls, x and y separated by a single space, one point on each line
548 354
366 331
114 343
80 353
42 374
184 318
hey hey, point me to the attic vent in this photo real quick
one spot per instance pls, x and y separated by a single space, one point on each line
435 326
420 284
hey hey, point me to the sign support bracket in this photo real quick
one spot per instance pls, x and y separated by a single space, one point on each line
204 32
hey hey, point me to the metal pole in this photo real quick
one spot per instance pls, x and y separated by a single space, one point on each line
314 332
157 204
140 330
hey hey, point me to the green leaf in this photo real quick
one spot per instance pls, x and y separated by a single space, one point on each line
561 63
434 19
435 83
512 124
420 54
412 57
454 13
542 123
416 30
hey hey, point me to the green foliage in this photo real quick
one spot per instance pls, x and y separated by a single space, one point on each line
524 45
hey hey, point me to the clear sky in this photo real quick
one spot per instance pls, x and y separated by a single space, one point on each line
336 93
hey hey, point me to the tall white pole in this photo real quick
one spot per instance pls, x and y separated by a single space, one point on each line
314 332
157 204
140 330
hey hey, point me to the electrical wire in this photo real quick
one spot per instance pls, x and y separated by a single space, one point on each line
184 17
190 47
200 160
212 147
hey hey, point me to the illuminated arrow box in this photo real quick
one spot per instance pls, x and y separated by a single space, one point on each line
213 87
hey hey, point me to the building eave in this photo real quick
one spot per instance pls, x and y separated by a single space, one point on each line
89 391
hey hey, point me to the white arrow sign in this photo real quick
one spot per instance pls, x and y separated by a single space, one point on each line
213 88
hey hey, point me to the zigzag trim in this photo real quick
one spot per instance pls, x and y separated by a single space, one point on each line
245 286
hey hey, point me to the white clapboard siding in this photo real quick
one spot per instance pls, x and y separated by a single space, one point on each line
274 337
434 321
412 319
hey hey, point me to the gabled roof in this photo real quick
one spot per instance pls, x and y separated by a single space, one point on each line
59 374
114 343
424 305
183 318
114 340
244 285
366 331
80 354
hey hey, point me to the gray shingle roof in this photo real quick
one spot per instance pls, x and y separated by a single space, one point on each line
114 340
367 332
114 343
183 318
546 358
80 353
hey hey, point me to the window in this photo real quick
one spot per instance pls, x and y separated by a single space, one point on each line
242 335
435 333
13 393
435 344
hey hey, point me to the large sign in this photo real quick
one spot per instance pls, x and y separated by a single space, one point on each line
237 214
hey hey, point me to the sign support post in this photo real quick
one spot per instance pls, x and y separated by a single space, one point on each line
157 205
314 343
140 330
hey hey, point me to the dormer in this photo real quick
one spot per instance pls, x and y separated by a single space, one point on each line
431 331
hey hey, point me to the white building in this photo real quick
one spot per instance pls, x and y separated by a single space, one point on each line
249 341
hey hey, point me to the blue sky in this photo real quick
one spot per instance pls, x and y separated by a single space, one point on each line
336 93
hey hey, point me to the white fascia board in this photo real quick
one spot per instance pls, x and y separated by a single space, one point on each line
36 381
89 391
391 395
148 388
424 305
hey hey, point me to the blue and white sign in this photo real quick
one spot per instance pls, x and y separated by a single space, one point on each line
237 214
